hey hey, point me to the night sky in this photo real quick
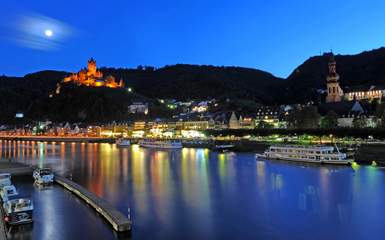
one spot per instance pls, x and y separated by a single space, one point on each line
274 36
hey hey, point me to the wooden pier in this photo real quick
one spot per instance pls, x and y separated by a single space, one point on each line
118 221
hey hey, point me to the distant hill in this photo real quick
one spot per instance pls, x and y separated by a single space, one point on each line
29 94
21 93
200 82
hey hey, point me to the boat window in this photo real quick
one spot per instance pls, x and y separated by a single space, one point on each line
45 172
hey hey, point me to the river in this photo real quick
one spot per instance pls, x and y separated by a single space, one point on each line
200 194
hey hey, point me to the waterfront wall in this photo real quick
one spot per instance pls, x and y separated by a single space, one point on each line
117 220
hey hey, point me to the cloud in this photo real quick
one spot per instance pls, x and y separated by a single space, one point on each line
30 31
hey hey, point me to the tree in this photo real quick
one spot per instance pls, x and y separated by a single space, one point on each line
359 121
306 118
330 120
380 114
264 125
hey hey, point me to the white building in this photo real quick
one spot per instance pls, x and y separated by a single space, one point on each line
138 107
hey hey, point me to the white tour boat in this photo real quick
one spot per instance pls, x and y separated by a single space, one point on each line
8 191
18 211
121 142
312 154
43 176
162 144
5 179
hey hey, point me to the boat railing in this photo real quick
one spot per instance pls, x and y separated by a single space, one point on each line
301 146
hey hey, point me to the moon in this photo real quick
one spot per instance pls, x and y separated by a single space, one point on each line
48 32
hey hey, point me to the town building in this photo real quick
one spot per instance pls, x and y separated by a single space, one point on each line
234 121
348 111
367 92
138 107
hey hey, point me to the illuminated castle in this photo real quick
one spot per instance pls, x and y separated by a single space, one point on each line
91 77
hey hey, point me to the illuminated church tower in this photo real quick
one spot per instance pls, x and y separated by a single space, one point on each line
335 93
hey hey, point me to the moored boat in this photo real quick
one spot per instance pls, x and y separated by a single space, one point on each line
43 176
312 154
18 211
161 144
121 142
8 191
5 179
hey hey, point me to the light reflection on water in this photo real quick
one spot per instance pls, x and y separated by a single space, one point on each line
198 194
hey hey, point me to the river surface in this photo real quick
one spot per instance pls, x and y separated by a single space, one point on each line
200 194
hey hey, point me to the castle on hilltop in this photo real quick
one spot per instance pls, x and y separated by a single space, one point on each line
336 94
92 77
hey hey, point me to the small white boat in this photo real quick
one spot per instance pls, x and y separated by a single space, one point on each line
8 191
43 176
122 142
5 179
161 144
311 154
18 211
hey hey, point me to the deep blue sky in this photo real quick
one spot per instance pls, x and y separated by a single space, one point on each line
274 35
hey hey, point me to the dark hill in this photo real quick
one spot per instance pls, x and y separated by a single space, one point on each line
200 82
29 94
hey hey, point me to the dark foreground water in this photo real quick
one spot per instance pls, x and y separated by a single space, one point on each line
198 194
58 215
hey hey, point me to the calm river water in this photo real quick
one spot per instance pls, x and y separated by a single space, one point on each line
199 194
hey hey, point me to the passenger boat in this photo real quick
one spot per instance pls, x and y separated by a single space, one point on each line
7 192
43 176
223 147
312 154
18 211
5 179
161 144
122 142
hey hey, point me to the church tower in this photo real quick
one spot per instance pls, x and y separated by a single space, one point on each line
335 93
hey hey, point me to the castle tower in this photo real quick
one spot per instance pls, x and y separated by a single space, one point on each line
335 92
92 66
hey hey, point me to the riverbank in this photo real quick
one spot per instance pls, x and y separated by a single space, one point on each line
58 139
363 152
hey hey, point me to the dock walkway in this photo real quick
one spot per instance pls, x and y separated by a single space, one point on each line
119 222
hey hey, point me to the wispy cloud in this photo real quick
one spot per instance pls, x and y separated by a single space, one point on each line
36 31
